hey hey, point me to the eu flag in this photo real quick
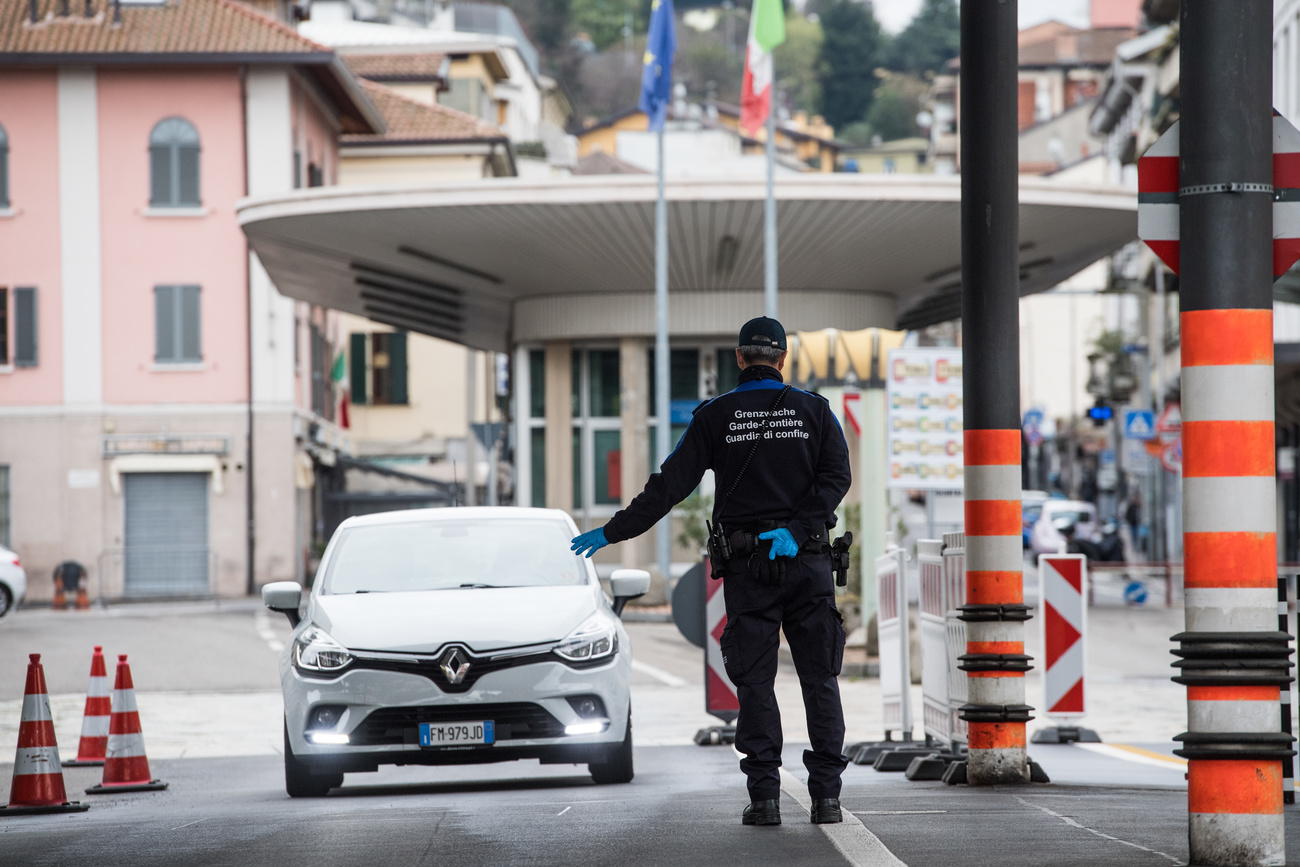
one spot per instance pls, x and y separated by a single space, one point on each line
657 67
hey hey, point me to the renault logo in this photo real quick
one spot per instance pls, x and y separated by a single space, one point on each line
454 665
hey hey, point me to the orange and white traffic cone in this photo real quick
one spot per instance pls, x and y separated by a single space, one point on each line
38 776
126 769
94 723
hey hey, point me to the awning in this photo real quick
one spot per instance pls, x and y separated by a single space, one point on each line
483 262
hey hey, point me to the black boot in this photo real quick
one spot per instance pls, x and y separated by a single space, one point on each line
826 811
762 813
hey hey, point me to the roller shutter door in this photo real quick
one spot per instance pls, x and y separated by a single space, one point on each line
166 534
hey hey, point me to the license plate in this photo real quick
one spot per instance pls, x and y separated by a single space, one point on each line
457 734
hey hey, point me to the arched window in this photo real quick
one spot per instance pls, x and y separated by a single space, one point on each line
4 168
174 164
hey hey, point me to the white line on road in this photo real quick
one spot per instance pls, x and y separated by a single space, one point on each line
1136 755
276 645
565 810
856 843
1073 824
187 824
664 677
897 812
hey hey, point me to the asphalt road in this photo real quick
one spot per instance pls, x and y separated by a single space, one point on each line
210 704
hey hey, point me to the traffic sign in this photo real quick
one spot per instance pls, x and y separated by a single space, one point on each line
1171 456
1159 191
1139 424
1063 587
1033 426
1135 593
1171 420
852 410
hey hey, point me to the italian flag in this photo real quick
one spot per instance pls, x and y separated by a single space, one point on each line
766 32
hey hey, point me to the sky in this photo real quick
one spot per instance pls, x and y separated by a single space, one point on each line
894 14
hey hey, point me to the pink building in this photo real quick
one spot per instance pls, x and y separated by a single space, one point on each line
139 337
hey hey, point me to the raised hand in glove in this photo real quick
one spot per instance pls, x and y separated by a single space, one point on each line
783 544
589 542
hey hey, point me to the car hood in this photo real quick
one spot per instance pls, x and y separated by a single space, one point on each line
483 619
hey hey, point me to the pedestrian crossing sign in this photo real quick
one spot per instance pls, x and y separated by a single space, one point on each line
1139 424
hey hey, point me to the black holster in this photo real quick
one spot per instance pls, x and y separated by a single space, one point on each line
840 559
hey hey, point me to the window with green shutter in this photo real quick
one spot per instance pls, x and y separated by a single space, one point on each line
388 369
359 371
397 368
177 325
25 323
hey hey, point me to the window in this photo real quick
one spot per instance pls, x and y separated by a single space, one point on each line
176 325
379 369
174 164
4 168
4 325
4 506
25 327
315 175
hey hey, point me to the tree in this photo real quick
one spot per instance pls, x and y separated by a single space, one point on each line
602 20
931 39
893 110
852 48
796 64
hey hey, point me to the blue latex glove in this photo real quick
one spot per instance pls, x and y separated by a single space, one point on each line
783 544
589 542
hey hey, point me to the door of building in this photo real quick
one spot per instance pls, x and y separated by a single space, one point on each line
166 534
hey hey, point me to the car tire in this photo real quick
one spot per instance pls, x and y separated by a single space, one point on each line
300 781
6 600
617 767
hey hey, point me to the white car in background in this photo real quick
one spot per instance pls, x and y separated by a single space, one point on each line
13 581
1047 538
455 636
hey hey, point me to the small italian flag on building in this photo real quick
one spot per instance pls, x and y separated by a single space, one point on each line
766 32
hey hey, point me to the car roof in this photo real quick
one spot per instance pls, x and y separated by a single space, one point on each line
1062 505
406 516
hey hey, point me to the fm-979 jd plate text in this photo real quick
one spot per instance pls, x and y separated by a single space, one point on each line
457 734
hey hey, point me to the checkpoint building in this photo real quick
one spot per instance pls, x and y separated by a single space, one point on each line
559 274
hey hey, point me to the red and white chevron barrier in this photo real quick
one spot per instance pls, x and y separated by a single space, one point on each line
126 768
1063 591
95 720
1159 185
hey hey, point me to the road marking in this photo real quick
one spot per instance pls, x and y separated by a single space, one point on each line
855 842
664 677
1073 824
1127 753
565 810
897 812
187 824
262 623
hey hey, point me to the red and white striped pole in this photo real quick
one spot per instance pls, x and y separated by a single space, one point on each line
994 612
1233 659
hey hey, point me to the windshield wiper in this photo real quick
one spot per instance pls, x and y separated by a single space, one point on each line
477 586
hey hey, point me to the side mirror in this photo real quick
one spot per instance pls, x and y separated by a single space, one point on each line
284 597
626 584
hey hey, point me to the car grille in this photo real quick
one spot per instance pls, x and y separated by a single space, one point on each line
401 725
431 668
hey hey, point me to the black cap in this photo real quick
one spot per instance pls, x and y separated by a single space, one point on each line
762 332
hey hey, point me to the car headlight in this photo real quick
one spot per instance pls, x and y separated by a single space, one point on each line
595 638
314 650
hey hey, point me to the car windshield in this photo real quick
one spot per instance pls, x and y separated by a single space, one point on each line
1072 515
452 554
1031 513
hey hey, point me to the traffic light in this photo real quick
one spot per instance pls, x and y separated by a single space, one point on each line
1100 413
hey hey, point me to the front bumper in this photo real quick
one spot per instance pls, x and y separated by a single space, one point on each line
383 709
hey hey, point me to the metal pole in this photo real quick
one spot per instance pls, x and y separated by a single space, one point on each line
663 386
471 447
872 461
1157 469
769 217
994 611
1233 658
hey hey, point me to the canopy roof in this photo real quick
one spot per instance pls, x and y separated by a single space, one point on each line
451 259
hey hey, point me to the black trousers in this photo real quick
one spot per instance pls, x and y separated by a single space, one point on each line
803 604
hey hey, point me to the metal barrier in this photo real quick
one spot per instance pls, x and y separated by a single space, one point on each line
894 640
155 571
954 596
934 640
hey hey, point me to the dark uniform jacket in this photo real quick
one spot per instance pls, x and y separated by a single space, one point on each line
799 473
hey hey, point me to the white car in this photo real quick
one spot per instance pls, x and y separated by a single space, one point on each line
455 636
1047 539
13 581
